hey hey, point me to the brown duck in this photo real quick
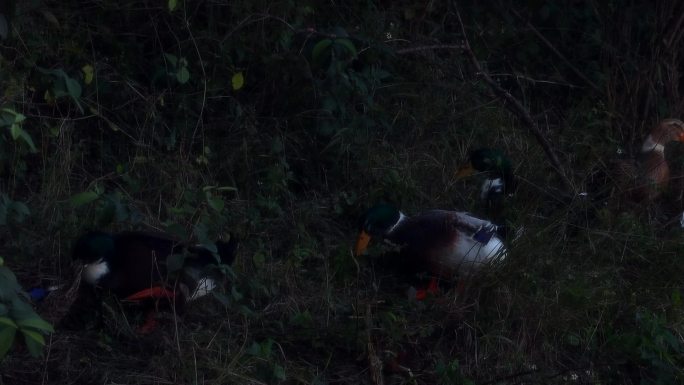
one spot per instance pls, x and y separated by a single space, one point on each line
646 177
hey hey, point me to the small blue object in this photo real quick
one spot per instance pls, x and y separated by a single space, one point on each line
484 234
37 293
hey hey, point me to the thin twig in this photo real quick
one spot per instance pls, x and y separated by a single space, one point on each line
517 108
557 52
429 47
374 362
199 122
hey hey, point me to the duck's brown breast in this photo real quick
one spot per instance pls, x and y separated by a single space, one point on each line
654 175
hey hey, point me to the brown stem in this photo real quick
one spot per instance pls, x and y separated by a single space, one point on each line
429 47
517 108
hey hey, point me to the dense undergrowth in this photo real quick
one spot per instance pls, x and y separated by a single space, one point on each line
282 122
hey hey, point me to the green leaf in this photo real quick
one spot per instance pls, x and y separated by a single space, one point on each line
261 350
172 5
8 284
83 198
6 339
676 298
20 310
15 131
216 203
174 262
236 294
50 17
21 209
9 116
279 372
63 85
59 89
348 45
573 340
56 72
237 81
254 349
207 244
88 73
173 59
226 188
183 75
319 48
73 87
18 132
34 342
245 311
259 259
7 322
36 323
106 214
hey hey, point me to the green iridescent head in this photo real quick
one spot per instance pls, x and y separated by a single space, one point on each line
379 219
94 246
489 160
375 223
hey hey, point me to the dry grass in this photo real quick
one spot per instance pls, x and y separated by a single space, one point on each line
589 294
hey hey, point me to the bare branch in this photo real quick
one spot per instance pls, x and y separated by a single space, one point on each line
516 107
429 47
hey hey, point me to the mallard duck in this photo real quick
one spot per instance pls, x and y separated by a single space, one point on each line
646 177
499 180
442 243
132 265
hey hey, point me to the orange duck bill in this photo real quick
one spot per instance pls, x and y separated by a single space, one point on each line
465 170
361 243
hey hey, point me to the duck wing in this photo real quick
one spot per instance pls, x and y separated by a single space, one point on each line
643 178
445 243
138 261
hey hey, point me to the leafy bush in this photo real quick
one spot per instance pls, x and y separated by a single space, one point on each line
17 315
651 350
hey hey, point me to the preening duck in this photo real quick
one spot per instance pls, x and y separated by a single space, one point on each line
133 266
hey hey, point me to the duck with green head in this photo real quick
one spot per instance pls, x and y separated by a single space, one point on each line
132 265
442 243
499 180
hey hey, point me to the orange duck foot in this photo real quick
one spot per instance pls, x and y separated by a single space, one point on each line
432 288
156 292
